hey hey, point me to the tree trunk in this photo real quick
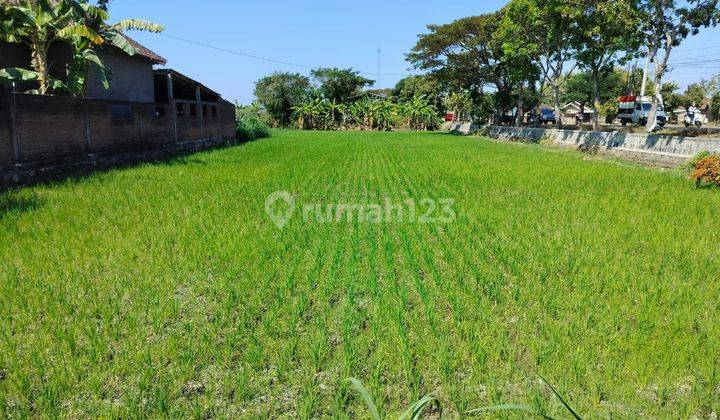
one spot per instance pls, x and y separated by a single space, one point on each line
40 65
520 108
556 97
660 68
596 100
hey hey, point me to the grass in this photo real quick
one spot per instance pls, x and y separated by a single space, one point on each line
165 290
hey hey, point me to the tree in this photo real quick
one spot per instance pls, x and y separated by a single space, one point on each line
666 23
580 87
673 100
459 103
542 31
40 24
279 93
341 86
465 55
694 94
425 86
606 35
715 107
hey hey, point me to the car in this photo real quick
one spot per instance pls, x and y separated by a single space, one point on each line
636 109
547 116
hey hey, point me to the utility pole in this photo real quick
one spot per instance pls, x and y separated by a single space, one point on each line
379 79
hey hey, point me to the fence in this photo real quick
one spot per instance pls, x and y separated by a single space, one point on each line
48 129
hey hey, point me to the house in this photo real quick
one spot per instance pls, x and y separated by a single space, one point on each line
146 111
573 110
131 77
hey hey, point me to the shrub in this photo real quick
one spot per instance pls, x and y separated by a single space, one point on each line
251 128
690 165
707 171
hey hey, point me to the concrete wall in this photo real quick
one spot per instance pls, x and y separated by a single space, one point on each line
131 78
664 149
50 129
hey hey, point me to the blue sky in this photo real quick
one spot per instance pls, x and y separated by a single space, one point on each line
315 33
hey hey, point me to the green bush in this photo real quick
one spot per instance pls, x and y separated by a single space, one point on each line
707 172
251 128
690 165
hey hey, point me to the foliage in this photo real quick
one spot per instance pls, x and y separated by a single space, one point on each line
690 165
366 114
419 114
466 55
666 23
460 103
250 127
279 93
579 86
694 94
318 114
425 86
606 35
340 85
543 32
414 412
672 99
715 107
707 171
41 24
610 110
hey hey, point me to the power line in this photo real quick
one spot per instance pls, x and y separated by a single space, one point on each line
269 60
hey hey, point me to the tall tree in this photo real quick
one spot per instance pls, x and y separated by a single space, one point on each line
424 86
607 34
666 23
341 86
465 55
542 31
279 93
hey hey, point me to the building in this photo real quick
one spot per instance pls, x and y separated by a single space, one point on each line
145 111
573 110
131 76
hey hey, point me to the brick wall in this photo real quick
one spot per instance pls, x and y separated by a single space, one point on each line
51 128
6 148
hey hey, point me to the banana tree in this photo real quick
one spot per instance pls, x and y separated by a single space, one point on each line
39 24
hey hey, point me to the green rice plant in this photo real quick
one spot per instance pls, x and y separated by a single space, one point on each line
414 412
165 290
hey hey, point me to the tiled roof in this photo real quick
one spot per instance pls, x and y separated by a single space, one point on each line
143 51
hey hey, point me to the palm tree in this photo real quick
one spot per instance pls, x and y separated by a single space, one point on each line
41 23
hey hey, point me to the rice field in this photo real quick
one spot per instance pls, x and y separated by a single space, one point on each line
167 290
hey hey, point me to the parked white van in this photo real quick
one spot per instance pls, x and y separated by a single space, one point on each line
635 110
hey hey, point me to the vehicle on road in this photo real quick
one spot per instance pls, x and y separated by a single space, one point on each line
695 118
636 109
547 116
